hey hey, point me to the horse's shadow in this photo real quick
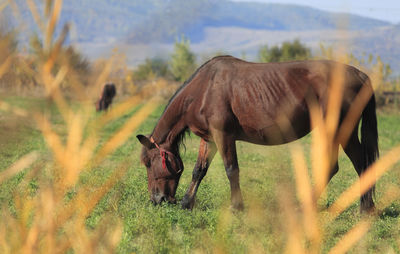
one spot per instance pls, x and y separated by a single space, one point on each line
390 212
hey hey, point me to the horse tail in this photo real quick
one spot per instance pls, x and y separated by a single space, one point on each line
369 136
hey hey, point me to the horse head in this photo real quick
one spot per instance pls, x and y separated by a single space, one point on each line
164 169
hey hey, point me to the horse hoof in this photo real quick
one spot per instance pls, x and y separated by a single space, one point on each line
368 210
187 203
237 207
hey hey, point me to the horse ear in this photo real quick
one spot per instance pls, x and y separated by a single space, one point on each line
145 141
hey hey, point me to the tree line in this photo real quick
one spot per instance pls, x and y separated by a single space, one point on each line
23 65
182 62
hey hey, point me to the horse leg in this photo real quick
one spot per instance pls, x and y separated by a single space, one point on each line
207 151
354 151
102 104
227 148
334 168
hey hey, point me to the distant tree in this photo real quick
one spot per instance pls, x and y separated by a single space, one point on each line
76 60
182 60
144 71
8 44
152 68
288 51
8 56
79 67
209 55
266 54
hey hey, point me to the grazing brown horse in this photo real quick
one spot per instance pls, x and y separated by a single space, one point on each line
228 99
107 95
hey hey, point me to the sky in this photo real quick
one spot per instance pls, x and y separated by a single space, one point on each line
387 10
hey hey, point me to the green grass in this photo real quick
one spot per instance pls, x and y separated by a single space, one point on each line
211 226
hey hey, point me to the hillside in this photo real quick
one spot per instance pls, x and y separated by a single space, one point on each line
385 42
147 28
192 17
159 21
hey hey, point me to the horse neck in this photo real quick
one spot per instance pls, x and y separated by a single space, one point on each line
171 125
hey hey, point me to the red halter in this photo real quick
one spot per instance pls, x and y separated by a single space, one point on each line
163 154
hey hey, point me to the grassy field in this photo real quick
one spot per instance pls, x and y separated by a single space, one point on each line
267 179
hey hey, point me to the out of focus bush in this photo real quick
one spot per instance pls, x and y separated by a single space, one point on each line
288 51
152 69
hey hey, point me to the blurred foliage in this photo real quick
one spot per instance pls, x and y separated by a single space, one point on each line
387 87
288 51
182 60
78 66
14 68
8 43
152 69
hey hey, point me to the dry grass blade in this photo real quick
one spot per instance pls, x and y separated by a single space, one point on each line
55 14
305 194
52 139
48 220
36 16
97 87
119 110
366 181
335 101
351 237
354 114
48 5
55 51
58 79
3 5
54 91
18 166
74 164
89 197
295 234
48 203
134 122
81 206
320 150
5 66
15 110
15 9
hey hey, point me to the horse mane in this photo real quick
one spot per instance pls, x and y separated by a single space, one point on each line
180 138
189 80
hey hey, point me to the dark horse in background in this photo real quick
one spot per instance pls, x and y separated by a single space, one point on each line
228 99
107 95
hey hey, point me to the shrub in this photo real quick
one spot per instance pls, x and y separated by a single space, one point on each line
151 69
182 60
288 51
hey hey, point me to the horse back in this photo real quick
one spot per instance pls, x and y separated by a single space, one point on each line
251 99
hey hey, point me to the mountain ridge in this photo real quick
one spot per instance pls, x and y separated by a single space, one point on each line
162 21
213 25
